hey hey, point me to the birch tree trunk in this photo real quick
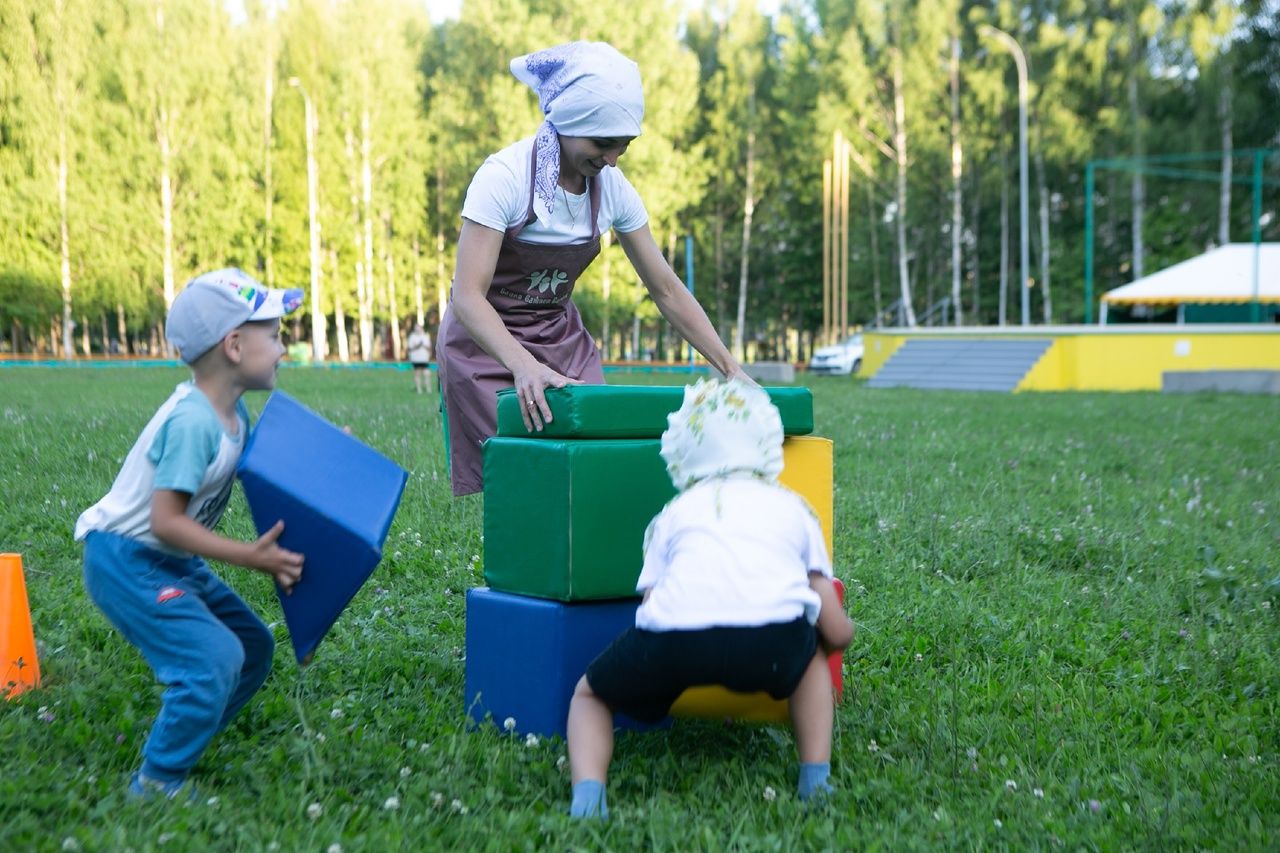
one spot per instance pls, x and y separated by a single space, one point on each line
605 240
68 344
873 228
900 156
268 191
339 318
1139 187
748 210
956 160
1043 192
392 309
366 207
357 238
1225 115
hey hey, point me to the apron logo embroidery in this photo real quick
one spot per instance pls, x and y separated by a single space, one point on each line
168 593
545 280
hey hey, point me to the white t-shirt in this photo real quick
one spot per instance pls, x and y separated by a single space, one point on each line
734 551
498 198
183 447
419 347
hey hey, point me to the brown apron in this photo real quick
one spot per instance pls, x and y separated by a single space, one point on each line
530 291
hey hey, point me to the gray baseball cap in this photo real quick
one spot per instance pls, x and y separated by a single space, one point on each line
217 303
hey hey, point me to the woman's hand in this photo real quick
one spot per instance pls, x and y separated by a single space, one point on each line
531 383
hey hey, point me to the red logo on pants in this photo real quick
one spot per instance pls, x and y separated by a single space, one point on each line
169 592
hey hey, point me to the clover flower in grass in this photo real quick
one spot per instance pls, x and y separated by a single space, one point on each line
391 803
165 837
335 847
769 794
44 714
70 843
1095 806
873 747
404 772
336 713
314 811
437 799
531 740
1038 792
998 823
1010 785
458 807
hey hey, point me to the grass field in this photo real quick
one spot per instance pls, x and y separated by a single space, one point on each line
1068 636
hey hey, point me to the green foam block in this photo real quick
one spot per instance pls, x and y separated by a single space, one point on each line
631 411
565 519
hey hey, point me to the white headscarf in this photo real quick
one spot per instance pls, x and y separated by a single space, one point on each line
723 428
584 89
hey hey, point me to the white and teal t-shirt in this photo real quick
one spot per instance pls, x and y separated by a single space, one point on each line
184 448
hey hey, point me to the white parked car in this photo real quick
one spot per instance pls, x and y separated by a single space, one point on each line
839 359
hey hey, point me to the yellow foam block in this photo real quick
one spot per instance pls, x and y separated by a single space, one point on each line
808 469
720 702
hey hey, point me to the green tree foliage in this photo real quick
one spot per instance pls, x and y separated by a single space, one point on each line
145 126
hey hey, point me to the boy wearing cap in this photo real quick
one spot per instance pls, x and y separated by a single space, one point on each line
147 540
737 592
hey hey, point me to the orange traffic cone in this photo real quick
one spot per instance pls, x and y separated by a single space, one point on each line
19 669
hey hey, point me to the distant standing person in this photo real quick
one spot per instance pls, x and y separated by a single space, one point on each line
420 357
531 225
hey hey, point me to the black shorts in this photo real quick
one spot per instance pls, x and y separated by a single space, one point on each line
642 672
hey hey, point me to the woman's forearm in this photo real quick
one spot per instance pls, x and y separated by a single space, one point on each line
486 328
687 317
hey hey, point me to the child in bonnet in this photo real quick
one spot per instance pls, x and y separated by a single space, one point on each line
737 589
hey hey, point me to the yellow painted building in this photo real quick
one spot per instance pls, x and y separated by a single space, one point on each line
1110 358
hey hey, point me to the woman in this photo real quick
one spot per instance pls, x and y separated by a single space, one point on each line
531 224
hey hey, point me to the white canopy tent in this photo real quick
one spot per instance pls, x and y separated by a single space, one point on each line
1225 275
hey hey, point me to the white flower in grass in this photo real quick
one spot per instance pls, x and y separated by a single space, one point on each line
561 762
404 772
437 799
314 811
769 794
531 740
212 801
335 847
458 807
336 714
998 823
972 752
919 657
69 843
873 747
165 837
1038 792
1010 785
424 747
320 738
509 724
391 804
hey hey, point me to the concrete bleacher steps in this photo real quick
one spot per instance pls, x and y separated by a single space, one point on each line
960 365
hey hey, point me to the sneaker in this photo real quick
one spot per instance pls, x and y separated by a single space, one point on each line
145 788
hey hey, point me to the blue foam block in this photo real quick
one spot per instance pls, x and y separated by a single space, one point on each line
336 496
525 656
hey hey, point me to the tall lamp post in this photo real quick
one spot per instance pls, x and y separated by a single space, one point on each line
318 333
1024 249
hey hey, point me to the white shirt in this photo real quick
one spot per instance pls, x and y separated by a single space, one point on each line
183 447
498 198
733 551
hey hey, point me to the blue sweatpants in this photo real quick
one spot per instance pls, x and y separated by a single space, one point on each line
204 643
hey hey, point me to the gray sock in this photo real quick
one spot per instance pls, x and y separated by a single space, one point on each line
588 800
